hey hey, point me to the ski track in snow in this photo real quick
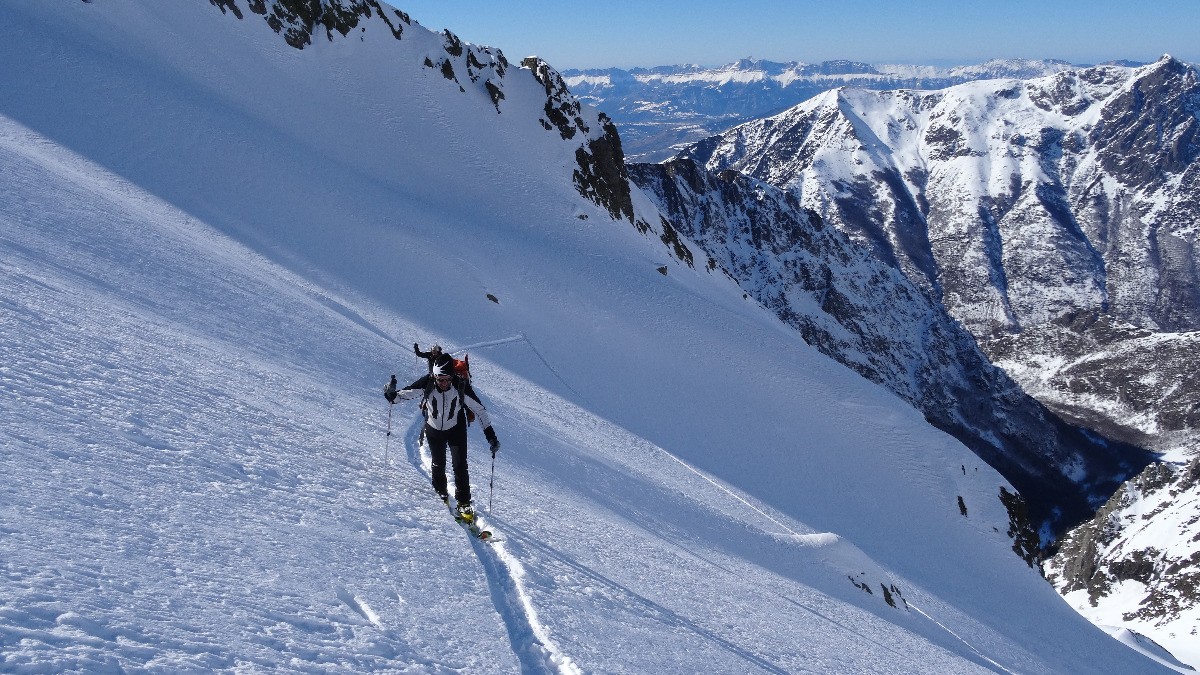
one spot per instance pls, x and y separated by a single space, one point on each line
531 640
514 601
522 338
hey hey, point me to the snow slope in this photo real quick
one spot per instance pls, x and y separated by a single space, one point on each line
214 248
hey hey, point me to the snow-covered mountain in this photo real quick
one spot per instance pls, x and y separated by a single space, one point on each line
664 109
1055 218
223 224
870 317
1017 202
1021 205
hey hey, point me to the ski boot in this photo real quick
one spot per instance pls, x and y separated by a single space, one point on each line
466 513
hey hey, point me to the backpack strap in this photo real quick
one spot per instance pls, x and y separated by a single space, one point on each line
428 391
460 383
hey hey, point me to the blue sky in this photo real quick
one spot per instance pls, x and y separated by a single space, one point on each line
626 33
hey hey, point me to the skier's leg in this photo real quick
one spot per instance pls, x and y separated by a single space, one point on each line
462 481
437 453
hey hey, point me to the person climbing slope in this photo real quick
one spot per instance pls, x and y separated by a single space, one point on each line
446 397
435 356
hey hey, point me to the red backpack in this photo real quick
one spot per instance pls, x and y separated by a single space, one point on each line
462 367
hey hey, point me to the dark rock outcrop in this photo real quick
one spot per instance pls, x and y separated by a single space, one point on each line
1135 537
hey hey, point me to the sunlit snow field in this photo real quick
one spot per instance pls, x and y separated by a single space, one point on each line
214 250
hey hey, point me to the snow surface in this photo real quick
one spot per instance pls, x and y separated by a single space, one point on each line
214 249
1148 647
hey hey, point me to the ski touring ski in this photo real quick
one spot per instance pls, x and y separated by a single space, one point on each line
475 530
471 526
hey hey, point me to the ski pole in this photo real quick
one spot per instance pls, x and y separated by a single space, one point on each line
388 442
492 483
389 392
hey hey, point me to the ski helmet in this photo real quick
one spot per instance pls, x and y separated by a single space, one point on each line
443 370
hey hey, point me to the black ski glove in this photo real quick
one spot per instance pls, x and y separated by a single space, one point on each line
490 435
417 348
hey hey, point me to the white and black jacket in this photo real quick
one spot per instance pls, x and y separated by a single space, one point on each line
444 409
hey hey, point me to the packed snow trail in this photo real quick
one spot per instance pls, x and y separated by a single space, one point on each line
956 636
531 641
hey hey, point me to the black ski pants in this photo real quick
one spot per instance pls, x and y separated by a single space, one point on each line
454 440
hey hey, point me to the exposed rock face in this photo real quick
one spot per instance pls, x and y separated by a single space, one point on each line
1129 383
1138 559
299 20
601 176
562 109
1146 141
869 316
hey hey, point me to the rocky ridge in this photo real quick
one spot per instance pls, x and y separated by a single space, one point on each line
600 174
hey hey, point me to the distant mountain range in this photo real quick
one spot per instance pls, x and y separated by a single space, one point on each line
661 110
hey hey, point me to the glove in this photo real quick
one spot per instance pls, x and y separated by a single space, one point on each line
490 435
417 348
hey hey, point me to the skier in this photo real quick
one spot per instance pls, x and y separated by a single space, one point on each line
435 356
446 397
